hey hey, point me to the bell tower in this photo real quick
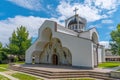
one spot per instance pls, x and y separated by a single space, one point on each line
76 22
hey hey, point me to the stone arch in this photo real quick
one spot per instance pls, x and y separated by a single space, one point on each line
56 41
54 53
46 34
95 48
67 56
94 38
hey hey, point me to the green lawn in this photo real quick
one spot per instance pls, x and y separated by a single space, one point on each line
20 62
3 78
3 67
81 79
109 64
22 76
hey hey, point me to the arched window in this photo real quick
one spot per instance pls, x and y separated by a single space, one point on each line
94 38
76 27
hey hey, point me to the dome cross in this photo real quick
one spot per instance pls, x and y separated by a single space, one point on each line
75 10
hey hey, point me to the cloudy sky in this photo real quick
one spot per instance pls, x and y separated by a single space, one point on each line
102 14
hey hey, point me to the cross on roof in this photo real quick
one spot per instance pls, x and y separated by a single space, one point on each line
75 10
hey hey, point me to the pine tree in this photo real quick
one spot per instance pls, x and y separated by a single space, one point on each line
19 42
3 55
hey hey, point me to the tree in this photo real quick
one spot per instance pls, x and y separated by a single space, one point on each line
0 47
115 41
19 42
3 55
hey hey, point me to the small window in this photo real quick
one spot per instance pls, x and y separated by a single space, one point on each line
47 57
64 54
79 27
75 27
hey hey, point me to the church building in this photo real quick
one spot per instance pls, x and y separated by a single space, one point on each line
72 45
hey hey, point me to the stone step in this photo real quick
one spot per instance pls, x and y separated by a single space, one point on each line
53 76
69 74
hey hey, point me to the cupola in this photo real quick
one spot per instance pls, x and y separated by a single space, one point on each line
75 23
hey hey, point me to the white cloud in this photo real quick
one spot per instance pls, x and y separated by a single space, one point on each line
106 4
111 27
86 11
105 43
97 26
103 4
92 10
107 21
29 4
31 23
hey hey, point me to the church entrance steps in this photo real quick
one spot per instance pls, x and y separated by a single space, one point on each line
52 73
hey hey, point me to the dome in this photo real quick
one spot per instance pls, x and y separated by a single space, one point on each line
74 21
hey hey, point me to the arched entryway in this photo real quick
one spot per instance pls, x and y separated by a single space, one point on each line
95 48
55 59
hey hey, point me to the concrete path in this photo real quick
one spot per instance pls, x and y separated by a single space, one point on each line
107 69
8 76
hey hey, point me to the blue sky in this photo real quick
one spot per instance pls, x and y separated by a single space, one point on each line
102 14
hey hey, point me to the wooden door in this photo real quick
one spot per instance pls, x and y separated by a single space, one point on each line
55 59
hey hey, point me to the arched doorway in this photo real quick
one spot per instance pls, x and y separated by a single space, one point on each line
55 59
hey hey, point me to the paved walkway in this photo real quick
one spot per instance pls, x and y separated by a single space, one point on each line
8 76
107 69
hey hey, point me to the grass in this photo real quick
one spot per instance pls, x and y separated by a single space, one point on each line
3 78
81 79
3 67
22 76
20 62
109 64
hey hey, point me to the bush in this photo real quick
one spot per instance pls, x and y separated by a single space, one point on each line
16 59
3 57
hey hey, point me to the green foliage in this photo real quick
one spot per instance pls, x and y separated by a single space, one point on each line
16 59
115 41
0 47
19 42
3 55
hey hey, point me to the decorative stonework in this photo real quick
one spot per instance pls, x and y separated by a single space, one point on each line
53 47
